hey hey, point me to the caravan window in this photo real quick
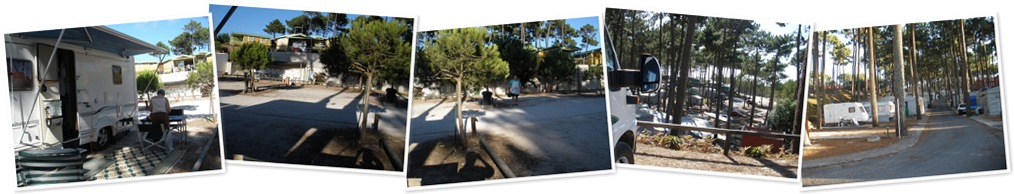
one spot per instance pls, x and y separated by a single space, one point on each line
117 75
852 109
19 74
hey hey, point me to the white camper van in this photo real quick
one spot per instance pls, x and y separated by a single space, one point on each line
837 113
885 110
72 87
624 85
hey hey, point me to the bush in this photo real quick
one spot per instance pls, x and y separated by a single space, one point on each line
671 142
757 151
782 115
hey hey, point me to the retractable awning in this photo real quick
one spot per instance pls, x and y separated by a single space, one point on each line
99 38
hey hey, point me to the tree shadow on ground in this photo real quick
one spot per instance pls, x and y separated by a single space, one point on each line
284 131
782 170
438 161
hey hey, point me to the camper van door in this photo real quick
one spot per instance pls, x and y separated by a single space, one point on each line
22 76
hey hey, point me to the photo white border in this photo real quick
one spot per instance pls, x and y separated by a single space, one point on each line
799 158
1003 103
121 180
612 167
415 28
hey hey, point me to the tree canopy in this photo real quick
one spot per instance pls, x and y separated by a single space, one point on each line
274 27
376 46
148 82
194 37
250 57
202 78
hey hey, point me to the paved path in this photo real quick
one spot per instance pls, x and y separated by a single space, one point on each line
949 144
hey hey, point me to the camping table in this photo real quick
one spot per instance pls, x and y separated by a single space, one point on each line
176 122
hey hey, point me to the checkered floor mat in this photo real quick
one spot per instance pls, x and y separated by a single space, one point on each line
130 162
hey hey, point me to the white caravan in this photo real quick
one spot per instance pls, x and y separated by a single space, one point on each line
885 110
72 87
837 113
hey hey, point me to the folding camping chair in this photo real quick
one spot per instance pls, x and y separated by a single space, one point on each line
154 135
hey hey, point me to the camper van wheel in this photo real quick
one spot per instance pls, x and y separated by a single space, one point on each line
624 154
105 137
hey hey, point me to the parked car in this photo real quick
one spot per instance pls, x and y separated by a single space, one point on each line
961 108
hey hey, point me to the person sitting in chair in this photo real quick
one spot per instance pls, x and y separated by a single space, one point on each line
159 108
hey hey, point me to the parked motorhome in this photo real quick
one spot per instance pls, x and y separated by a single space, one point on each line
72 87
837 113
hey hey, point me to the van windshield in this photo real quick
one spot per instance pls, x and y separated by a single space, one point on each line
611 63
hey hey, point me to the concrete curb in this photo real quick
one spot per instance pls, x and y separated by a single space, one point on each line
993 124
905 143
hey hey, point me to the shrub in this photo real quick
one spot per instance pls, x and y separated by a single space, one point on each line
757 151
671 142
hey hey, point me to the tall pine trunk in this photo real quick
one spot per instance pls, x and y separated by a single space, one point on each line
800 87
899 82
915 78
718 102
822 90
873 79
753 92
965 73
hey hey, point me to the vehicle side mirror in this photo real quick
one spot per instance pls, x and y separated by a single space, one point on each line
650 76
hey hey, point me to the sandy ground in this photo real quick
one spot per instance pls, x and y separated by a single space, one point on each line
310 125
544 134
825 148
651 155
836 141
199 133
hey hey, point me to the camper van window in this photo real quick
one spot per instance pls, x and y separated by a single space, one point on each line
852 109
117 75
20 74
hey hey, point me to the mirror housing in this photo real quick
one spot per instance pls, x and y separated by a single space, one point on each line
650 77
644 80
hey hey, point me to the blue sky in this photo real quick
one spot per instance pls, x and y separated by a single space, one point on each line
576 23
252 20
155 31
790 28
